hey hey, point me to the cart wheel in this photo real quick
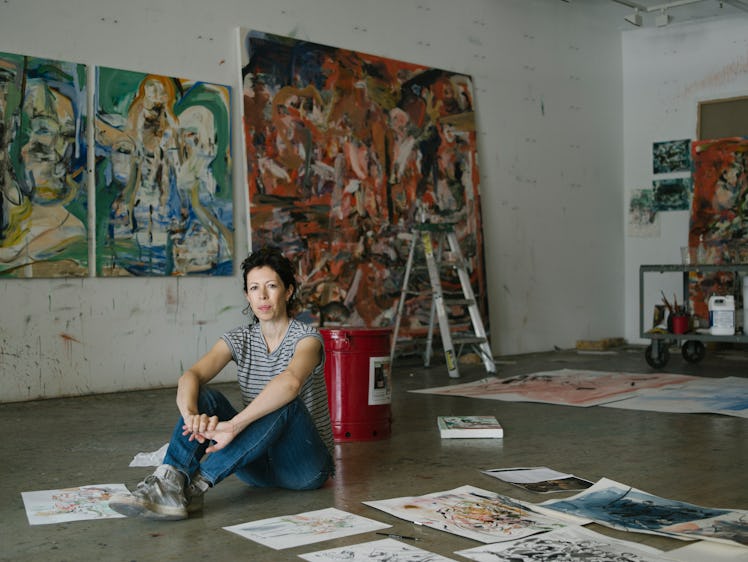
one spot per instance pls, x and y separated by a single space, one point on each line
662 357
693 351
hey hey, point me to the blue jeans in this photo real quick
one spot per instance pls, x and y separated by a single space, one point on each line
281 449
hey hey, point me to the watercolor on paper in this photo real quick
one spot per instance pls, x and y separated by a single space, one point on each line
343 148
288 531
71 504
470 512
43 152
385 550
727 396
643 220
625 508
571 543
164 194
570 387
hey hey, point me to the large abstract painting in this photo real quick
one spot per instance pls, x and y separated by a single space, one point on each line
719 212
164 202
43 198
345 151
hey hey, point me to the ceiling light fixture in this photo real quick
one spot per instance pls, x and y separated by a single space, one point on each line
634 19
662 19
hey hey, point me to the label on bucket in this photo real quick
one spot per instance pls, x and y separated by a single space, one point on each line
380 389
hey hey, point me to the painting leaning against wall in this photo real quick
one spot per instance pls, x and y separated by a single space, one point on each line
164 202
344 150
43 151
719 214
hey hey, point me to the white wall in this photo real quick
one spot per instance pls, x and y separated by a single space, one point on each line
668 71
548 93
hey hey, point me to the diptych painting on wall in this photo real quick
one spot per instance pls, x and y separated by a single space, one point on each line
719 212
43 198
163 176
343 149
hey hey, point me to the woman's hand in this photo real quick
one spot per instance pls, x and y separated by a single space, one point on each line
221 435
195 425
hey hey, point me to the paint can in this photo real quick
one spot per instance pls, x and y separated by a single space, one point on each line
722 315
359 386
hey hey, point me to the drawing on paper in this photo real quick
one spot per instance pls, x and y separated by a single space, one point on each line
571 543
288 531
71 504
539 479
470 512
385 550
342 147
622 507
569 387
43 151
164 197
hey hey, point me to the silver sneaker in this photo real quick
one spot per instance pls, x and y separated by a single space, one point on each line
160 496
194 492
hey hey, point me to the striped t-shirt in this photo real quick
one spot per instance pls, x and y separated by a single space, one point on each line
256 367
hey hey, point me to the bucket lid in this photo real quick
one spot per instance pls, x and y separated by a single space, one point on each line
353 331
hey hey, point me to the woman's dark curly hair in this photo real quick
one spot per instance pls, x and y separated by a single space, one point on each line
274 259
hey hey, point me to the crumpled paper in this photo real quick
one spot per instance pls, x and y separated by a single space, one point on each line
155 458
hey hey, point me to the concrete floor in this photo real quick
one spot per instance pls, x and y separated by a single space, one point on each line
90 440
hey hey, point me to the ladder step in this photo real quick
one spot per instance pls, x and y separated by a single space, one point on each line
466 340
458 302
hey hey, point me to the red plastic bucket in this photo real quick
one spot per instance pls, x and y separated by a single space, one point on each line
359 391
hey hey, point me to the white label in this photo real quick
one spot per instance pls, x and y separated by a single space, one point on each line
380 389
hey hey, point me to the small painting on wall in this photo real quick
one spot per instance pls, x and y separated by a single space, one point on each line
164 203
43 151
672 194
345 152
671 156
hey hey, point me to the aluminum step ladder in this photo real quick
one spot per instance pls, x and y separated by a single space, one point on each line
442 236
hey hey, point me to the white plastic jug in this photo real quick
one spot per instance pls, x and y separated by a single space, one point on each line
722 314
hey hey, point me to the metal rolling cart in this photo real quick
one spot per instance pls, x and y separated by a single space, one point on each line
693 350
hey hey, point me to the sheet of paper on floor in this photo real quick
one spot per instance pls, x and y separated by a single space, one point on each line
153 458
571 543
385 549
626 508
708 551
471 512
71 504
539 479
727 396
288 531
569 387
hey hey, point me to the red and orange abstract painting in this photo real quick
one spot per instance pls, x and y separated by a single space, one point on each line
719 214
345 151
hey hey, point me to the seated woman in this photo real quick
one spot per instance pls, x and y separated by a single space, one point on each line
282 437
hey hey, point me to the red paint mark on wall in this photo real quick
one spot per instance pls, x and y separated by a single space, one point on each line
68 339
720 77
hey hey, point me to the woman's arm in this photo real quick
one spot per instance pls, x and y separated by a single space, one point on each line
281 390
188 388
